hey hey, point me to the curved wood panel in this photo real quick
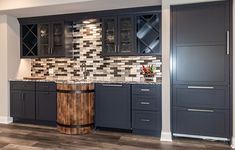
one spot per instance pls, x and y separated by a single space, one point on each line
75 110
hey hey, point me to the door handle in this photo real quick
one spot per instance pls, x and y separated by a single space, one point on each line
200 110
145 120
228 43
200 87
145 90
112 85
144 103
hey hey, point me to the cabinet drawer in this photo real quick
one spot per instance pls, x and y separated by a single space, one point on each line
22 85
46 86
201 122
142 102
201 96
150 90
146 120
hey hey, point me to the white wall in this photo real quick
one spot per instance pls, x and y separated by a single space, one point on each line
11 66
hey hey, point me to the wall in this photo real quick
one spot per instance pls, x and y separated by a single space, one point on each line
10 64
88 48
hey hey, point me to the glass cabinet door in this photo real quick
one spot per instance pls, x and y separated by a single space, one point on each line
109 27
44 44
148 34
57 40
125 39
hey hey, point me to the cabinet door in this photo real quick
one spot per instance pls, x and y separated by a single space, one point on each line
29 41
44 39
16 104
57 39
112 106
148 33
126 35
109 29
28 100
46 106
200 44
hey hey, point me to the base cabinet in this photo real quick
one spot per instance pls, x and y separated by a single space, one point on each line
112 106
146 109
33 101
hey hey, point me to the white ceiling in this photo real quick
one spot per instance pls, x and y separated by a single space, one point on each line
29 8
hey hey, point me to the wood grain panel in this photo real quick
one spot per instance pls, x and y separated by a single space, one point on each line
75 109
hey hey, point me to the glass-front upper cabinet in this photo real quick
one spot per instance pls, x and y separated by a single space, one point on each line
51 39
44 43
109 29
118 35
126 36
148 33
57 43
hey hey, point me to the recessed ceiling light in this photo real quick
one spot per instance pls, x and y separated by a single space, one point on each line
86 22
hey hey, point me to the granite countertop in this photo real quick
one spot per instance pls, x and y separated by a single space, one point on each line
82 81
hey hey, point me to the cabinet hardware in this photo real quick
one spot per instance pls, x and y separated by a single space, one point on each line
48 50
144 103
115 48
145 120
200 87
145 90
228 43
200 110
112 85
51 50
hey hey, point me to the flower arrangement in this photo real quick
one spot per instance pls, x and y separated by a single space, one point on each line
148 71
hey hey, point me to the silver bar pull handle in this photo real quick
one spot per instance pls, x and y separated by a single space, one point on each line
144 103
201 110
112 85
228 43
200 87
145 120
145 90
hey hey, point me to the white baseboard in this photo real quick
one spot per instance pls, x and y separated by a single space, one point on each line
6 120
166 137
233 143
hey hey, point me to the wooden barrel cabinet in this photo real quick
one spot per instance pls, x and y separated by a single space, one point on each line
75 108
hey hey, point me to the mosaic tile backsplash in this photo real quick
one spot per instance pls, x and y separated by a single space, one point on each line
87 49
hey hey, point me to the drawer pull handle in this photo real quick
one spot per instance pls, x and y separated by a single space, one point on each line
200 87
145 90
144 103
112 85
200 110
145 120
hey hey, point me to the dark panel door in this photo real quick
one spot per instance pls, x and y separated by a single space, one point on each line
16 104
112 106
46 106
200 44
202 122
28 100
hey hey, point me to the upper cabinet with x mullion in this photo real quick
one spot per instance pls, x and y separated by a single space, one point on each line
148 34
29 41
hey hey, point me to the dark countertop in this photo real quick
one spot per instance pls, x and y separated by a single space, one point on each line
82 81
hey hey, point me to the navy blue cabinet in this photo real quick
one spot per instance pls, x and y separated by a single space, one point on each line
113 106
146 109
22 103
33 101
200 70
46 108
